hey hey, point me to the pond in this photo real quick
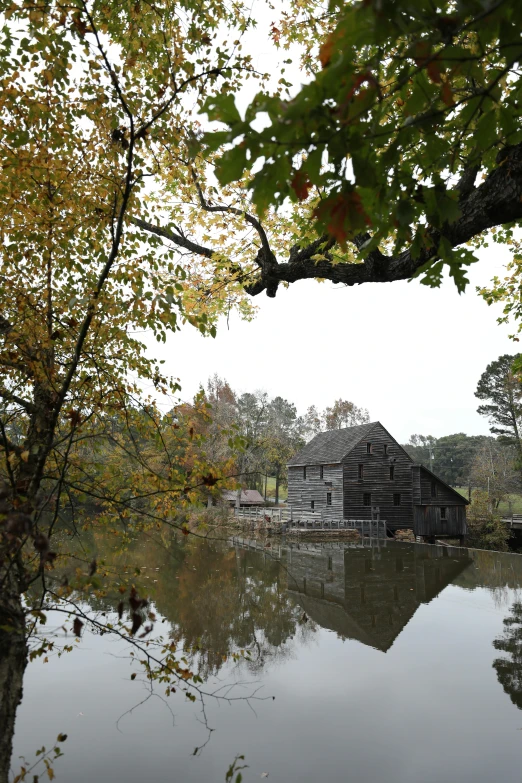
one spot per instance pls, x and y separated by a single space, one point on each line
393 662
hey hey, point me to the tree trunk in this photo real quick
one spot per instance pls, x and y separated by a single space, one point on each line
277 486
13 660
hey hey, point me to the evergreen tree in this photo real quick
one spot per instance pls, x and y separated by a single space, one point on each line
499 385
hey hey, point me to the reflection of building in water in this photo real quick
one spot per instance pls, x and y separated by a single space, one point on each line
370 594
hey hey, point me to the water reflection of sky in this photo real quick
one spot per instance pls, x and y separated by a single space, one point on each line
429 709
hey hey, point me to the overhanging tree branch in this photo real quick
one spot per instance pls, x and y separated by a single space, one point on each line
497 201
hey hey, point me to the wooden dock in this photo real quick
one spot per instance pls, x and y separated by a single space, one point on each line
298 524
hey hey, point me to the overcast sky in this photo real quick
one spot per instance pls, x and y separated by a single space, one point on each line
410 354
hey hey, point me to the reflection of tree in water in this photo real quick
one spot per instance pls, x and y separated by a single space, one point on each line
509 668
231 600
217 600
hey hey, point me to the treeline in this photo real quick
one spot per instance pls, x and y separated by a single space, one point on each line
470 461
270 428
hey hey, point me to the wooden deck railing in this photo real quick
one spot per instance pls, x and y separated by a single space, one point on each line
287 520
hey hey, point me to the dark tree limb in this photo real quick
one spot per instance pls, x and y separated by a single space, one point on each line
177 239
8 396
497 201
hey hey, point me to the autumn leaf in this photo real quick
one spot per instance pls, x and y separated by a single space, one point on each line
301 184
275 33
433 71
342 214
77 627
446 94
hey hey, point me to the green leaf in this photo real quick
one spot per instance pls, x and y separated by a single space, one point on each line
222 108
364 171
232 164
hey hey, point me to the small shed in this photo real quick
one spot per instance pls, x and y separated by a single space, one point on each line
248 498
438 509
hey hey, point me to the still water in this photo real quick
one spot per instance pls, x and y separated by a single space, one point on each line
391 663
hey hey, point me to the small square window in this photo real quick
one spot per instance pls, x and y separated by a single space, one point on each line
433 490
397 499
368 448
392 472
361 472
328 498
312 504
385 447
443 513
367 499
321 471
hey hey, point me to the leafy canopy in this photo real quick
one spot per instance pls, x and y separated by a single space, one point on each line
407 102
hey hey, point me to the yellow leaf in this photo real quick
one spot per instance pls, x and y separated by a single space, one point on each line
25 455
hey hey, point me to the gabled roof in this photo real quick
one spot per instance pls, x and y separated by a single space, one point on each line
248 496
438 478
332 446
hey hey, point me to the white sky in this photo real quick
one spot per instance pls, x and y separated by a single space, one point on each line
410 354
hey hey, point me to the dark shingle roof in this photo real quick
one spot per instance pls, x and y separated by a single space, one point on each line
331 446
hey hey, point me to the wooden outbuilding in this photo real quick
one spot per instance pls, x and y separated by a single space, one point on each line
248 498
363 473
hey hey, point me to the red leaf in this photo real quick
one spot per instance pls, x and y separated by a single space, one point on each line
446 94
326 50
422 52
77 626
301 185
342 214
433 70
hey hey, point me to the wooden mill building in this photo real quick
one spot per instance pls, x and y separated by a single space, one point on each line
361 472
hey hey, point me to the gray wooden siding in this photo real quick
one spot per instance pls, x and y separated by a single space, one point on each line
302 491
428 520
444 494
376 480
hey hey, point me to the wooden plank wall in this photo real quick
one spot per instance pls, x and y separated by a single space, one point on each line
444 495
428 521
302 491
376 481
